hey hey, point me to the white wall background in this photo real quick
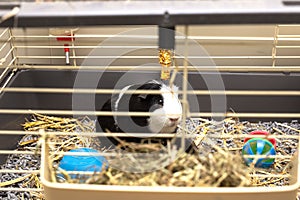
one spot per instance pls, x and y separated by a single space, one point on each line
237 40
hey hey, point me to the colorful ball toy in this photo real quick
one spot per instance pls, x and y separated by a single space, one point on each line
259 132
81 163
259 146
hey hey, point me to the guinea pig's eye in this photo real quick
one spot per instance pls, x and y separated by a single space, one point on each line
160 102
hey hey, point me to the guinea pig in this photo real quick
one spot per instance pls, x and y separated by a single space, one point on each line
165 113
165 110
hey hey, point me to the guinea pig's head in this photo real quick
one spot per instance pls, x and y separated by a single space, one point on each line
166 110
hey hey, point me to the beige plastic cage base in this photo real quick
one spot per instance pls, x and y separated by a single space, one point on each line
63 191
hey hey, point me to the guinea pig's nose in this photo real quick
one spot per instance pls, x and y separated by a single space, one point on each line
173 119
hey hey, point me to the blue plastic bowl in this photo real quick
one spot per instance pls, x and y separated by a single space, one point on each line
82 163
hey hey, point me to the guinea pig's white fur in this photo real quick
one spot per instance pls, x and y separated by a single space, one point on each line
159 121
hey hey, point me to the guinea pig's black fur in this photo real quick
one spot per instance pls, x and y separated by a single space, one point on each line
131 103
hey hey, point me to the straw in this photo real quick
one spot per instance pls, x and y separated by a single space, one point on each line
218 164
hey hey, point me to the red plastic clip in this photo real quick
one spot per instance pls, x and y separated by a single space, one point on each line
259 132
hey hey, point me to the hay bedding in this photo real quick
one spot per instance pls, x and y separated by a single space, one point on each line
221 166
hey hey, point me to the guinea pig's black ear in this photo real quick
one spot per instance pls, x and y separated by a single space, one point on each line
142 96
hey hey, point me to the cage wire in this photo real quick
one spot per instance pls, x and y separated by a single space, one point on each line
37 49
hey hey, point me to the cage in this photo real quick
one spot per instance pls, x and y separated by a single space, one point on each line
241 66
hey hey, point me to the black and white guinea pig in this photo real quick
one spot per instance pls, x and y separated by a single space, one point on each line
165 110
